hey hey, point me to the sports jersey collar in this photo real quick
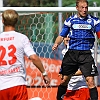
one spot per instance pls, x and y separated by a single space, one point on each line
76 16
8 32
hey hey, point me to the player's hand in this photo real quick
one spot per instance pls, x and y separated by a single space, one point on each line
61 76
64 80
46 80
54 47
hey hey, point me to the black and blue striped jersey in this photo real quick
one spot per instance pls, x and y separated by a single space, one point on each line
81 31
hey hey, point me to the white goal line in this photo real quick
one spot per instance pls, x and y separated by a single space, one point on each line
48 9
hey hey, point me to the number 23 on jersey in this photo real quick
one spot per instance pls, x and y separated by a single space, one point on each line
10 54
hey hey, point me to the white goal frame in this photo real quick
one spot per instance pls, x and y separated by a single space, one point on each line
48 9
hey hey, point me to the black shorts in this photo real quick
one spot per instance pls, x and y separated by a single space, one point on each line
75 59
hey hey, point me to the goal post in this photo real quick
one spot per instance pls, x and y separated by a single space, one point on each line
41 25
48 9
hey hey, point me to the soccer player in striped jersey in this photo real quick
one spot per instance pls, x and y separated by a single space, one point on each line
82 27
13 47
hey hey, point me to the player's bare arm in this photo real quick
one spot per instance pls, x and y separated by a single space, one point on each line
37 62
58 41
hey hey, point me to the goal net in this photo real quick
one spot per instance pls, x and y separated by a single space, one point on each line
42 25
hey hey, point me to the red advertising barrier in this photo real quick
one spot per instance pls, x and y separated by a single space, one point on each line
34 76
52 66
45 94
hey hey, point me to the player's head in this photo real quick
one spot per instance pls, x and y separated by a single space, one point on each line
9 17
82 7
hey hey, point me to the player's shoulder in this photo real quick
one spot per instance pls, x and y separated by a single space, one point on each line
93 17
71 18
21 35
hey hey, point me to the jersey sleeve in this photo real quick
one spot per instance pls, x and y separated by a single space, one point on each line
66 28
97 28
28 49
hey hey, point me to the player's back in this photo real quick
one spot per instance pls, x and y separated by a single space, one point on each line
12 46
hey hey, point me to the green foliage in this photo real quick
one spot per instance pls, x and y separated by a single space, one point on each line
44 3
30 3
66 3
73 3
